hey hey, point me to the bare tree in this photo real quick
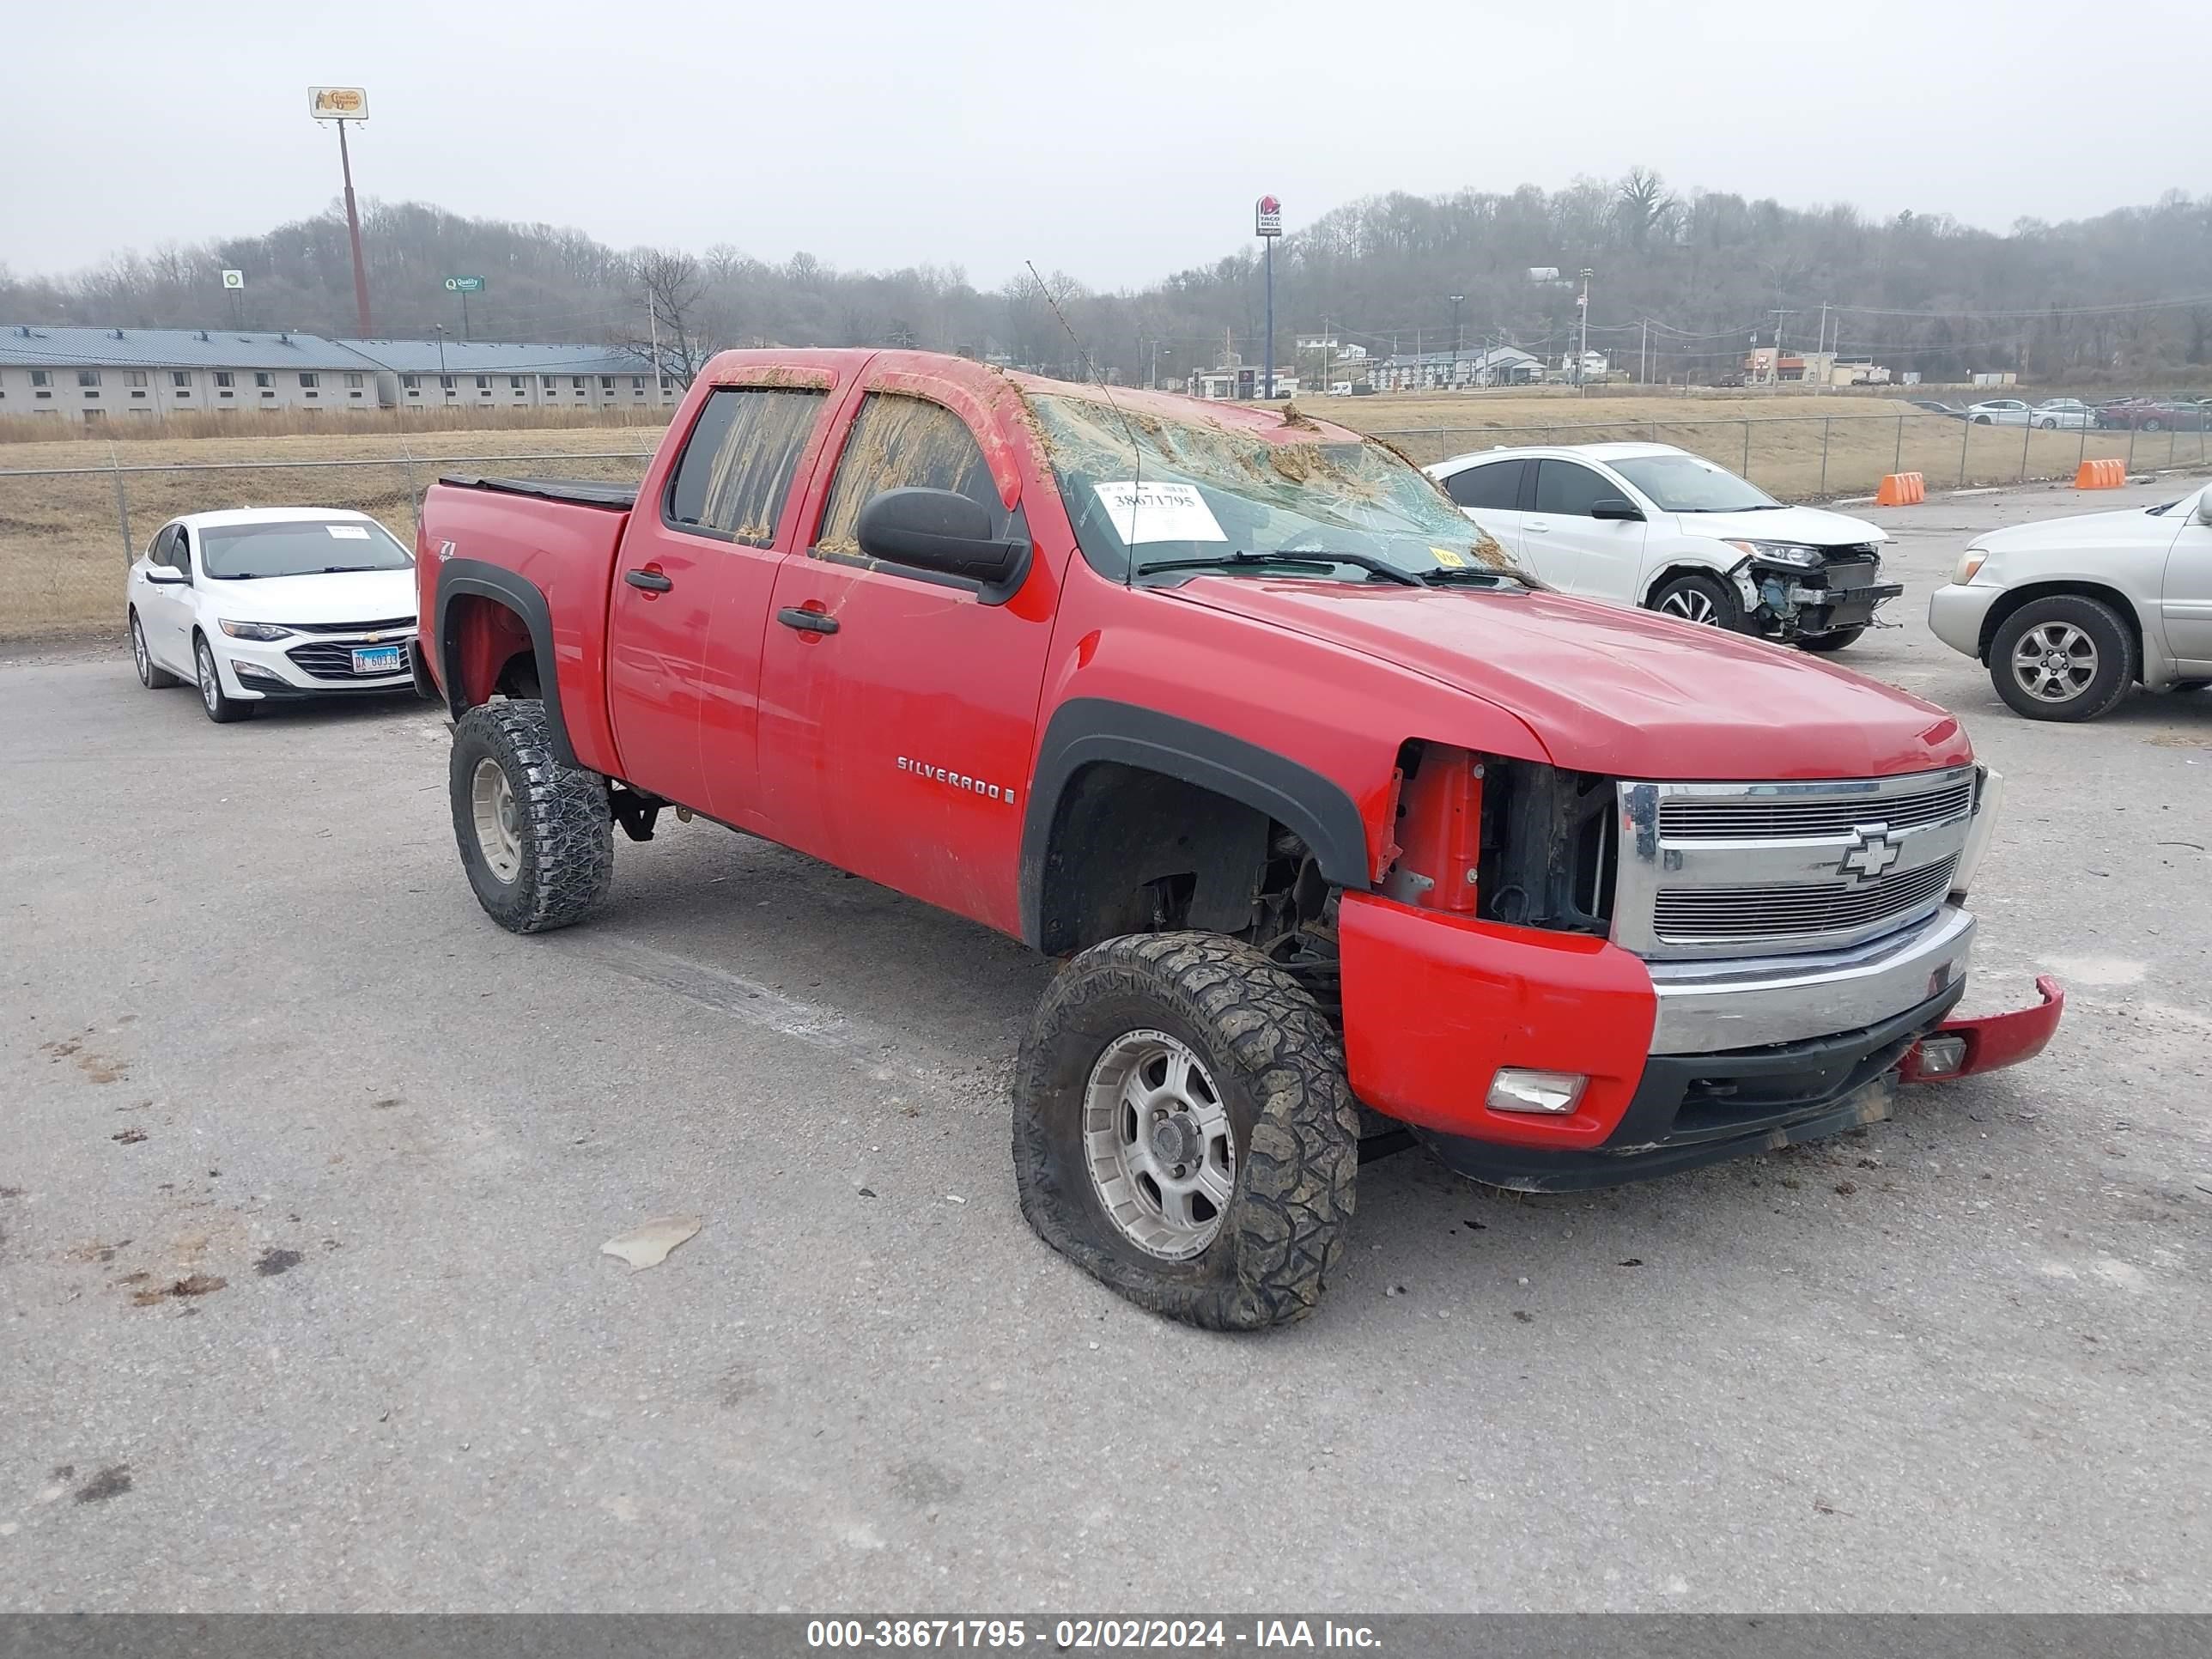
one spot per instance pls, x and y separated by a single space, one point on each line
1641 204
678 337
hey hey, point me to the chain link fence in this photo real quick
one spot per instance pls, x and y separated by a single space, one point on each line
69 534
1824 457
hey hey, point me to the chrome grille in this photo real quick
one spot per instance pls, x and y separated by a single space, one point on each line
1711 870
1693 817
1698 915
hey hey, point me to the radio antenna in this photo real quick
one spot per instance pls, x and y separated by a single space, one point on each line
1136 456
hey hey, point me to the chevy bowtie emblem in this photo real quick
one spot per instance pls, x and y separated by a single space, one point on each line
1871 852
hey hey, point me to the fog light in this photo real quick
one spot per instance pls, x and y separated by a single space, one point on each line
1942 1056
1517 1090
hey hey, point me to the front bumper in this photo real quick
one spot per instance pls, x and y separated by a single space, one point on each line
1434 1006
252 669
1956 612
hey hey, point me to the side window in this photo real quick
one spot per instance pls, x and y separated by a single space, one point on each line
157 552
900 442
738 465
1496 485
180 550
1567 489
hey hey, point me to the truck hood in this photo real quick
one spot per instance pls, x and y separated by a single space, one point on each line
1620 692
1813 526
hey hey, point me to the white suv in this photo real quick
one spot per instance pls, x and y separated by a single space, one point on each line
1652 525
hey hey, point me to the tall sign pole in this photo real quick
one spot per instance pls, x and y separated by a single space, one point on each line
1267 225
341 105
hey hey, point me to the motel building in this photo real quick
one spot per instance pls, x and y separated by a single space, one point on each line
89 376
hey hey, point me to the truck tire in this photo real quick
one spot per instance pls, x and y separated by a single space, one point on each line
2065 658
1227 1206
1695 597
1835 641
537 837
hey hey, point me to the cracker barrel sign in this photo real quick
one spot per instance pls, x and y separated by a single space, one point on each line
337 103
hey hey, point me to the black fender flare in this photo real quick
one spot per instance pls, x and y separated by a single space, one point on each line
521 595
1084 731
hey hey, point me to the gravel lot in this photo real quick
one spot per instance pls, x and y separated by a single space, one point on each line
259 1046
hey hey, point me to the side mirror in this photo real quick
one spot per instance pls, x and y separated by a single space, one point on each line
2204 507
1615 507
945 532
167 574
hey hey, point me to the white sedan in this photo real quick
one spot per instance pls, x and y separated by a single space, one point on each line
1652 525
272 602
2070 413
2069 614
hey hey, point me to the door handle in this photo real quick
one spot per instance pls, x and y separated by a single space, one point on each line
1539 526
651 581
805 620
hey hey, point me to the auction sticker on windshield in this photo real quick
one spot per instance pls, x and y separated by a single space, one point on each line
1159 513
349 533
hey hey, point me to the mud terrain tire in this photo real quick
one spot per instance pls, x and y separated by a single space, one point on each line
557 843
1278 1071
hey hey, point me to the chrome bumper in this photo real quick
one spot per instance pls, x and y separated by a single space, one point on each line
1741 1002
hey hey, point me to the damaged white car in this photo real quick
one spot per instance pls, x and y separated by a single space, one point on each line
1653 525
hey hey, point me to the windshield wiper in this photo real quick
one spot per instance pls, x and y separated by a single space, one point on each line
1450 577
351 569
1309 561
1755 507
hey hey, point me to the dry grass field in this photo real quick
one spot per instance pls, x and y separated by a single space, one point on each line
62 551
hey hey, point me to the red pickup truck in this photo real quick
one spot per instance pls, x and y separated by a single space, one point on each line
1343 826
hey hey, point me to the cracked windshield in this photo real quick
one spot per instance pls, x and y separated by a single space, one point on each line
1204 497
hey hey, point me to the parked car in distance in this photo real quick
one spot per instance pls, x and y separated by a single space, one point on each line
1653 525
2069 614
1320 804
1998 411
2068 414
2157 414
1935 406
272 602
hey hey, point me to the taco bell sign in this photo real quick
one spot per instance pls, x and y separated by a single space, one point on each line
1267 217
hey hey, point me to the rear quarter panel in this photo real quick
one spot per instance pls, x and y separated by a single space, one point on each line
566 553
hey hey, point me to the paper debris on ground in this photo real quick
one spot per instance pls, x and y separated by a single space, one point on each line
648 1246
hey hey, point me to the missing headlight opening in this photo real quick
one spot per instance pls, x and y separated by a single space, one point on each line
1501 840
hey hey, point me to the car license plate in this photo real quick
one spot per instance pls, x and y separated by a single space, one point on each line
377 660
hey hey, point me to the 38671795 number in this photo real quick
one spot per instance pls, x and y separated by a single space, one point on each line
916 1633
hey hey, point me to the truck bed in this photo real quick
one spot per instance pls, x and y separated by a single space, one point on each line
578 492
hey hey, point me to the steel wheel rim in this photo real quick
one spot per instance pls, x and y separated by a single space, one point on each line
210 688
491 807
1159 1146
2054 662
138 652
1692 605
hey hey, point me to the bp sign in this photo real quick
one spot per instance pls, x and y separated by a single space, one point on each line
465 284
234 279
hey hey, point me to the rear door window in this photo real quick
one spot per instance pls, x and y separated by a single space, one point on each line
737 467
1567 489
1496 484
901 443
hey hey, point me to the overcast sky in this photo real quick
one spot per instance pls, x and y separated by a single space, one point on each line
1115 141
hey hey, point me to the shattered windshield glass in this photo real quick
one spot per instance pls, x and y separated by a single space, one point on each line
1196 493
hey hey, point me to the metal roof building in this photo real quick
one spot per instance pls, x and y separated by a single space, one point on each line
87 375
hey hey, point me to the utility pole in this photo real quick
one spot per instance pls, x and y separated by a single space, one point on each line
1643 357
1582 352
1456 301
441 329
1774 370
